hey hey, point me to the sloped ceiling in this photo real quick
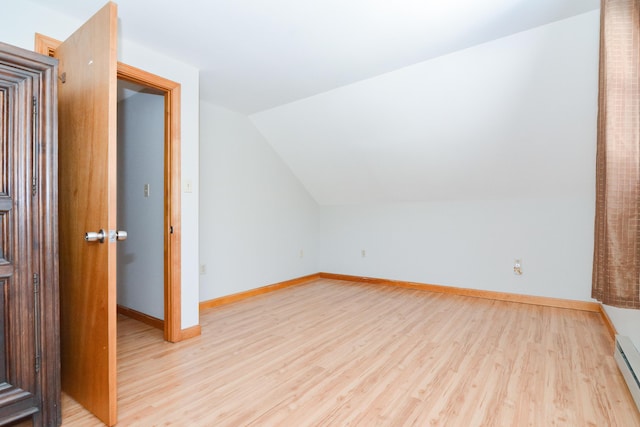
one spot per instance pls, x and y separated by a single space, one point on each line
258 54
373 101
512 118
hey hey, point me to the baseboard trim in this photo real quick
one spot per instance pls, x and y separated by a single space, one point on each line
141 317
607 322
594 307
228 299
500 296
190 332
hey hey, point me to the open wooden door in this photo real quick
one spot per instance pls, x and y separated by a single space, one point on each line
87 199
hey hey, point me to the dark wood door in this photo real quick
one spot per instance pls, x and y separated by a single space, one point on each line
88 168
29 346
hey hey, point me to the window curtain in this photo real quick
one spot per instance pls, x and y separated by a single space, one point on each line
616 266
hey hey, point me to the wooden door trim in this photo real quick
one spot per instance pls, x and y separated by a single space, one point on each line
172 218
172 211
46 45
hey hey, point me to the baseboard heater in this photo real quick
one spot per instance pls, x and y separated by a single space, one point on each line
628 360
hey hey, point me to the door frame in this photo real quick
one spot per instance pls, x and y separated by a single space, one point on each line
172 211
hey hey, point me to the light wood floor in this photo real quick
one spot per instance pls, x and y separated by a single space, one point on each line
334 353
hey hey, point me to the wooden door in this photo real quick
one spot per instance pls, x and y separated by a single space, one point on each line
29 364
87 186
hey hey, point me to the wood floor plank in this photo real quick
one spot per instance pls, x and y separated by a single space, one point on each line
336 353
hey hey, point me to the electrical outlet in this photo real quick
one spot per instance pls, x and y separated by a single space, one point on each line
363 253
301 253
203 268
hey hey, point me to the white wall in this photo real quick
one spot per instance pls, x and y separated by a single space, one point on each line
626 322
140 163
454 167
548 222
469 244
23 19
255 215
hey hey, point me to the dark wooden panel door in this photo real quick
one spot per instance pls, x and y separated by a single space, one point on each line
17 330
88 167
29 347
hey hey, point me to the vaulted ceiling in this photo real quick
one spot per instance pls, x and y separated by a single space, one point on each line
384 101
258 54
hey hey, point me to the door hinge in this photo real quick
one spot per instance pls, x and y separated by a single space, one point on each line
36 148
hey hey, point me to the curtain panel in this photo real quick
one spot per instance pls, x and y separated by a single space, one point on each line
616 266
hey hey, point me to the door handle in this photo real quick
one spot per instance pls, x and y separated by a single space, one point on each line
92 236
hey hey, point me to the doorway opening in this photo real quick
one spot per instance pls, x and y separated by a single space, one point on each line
171 182
140 273
170 91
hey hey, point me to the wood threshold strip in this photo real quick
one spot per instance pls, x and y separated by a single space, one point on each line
141 317
228 299
500 296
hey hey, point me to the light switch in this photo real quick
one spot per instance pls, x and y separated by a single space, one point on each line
188 186
146 190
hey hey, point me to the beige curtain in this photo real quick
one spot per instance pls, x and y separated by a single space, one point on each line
616 266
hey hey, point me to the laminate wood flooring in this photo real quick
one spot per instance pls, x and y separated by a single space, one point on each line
334 353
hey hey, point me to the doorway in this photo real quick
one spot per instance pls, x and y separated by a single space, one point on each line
140 273
171 185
